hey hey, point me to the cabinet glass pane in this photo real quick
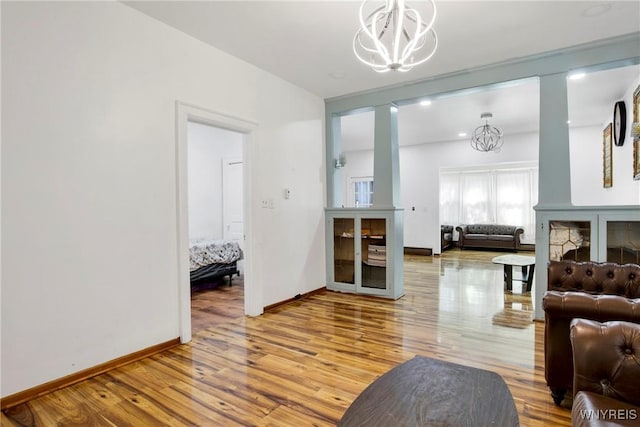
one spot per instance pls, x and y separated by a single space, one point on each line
374 252
570 240
623 242
344 250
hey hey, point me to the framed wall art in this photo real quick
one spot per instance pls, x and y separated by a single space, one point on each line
635 122
607 160
636 105
636 159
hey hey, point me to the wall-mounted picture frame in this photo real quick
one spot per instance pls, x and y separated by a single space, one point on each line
607 159
635 122
636 159
636 105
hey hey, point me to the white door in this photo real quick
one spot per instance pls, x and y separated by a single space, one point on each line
232 214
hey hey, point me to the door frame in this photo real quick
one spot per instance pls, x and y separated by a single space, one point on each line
253 292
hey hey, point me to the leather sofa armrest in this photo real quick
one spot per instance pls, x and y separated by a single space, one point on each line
516 236
606 359
603 308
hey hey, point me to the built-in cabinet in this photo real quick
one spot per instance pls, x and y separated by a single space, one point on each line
364 254
603 234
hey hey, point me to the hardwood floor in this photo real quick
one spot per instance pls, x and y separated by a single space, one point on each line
212 304
303 363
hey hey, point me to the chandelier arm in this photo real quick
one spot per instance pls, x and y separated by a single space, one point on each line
435 47
380 47
433 18
426 27
380 68
363 25
411 45
399 12
362 46
385 27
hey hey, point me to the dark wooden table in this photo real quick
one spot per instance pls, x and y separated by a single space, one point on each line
429 392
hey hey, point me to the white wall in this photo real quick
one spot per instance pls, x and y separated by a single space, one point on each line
208 146
586 164
420 178
89 240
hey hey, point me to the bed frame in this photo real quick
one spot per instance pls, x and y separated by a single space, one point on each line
214 271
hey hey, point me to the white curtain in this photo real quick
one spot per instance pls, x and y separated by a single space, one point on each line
449 198
495 195
477 198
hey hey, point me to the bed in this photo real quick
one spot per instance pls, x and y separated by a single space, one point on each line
213 259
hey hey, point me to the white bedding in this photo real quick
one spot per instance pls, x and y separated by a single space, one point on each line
205 252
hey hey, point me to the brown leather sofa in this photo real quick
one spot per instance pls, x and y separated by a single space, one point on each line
489 236
446 237
606 373
587 290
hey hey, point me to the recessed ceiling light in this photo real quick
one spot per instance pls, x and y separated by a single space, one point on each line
597 10
425 102
568 122
462 134
577 75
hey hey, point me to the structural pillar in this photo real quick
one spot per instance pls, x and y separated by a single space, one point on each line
386 159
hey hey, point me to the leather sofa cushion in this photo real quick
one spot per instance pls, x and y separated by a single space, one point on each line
594 410
596 307
489 237
491 229
592 277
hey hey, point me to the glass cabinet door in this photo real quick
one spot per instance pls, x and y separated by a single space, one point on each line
623 242
570 240
344 250
373 238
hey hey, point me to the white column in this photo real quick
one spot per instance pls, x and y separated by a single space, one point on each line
554 161
386 163
554 166
335 180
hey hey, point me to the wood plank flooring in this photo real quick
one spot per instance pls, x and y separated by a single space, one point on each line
215 303
303 363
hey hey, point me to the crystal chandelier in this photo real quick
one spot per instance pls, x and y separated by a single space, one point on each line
486 137
394 36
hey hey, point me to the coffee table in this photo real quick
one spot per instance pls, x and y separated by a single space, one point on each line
430 392
527 263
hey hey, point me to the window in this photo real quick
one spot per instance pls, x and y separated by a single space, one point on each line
362 191
491 195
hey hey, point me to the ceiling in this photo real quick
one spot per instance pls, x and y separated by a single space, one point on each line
308 43
515 110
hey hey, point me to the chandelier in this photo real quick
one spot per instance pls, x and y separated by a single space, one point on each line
394 36
486 137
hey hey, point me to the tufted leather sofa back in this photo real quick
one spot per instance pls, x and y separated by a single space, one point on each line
594 278
491 229
607 359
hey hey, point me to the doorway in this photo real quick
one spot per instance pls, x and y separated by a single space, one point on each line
216 224
186 113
